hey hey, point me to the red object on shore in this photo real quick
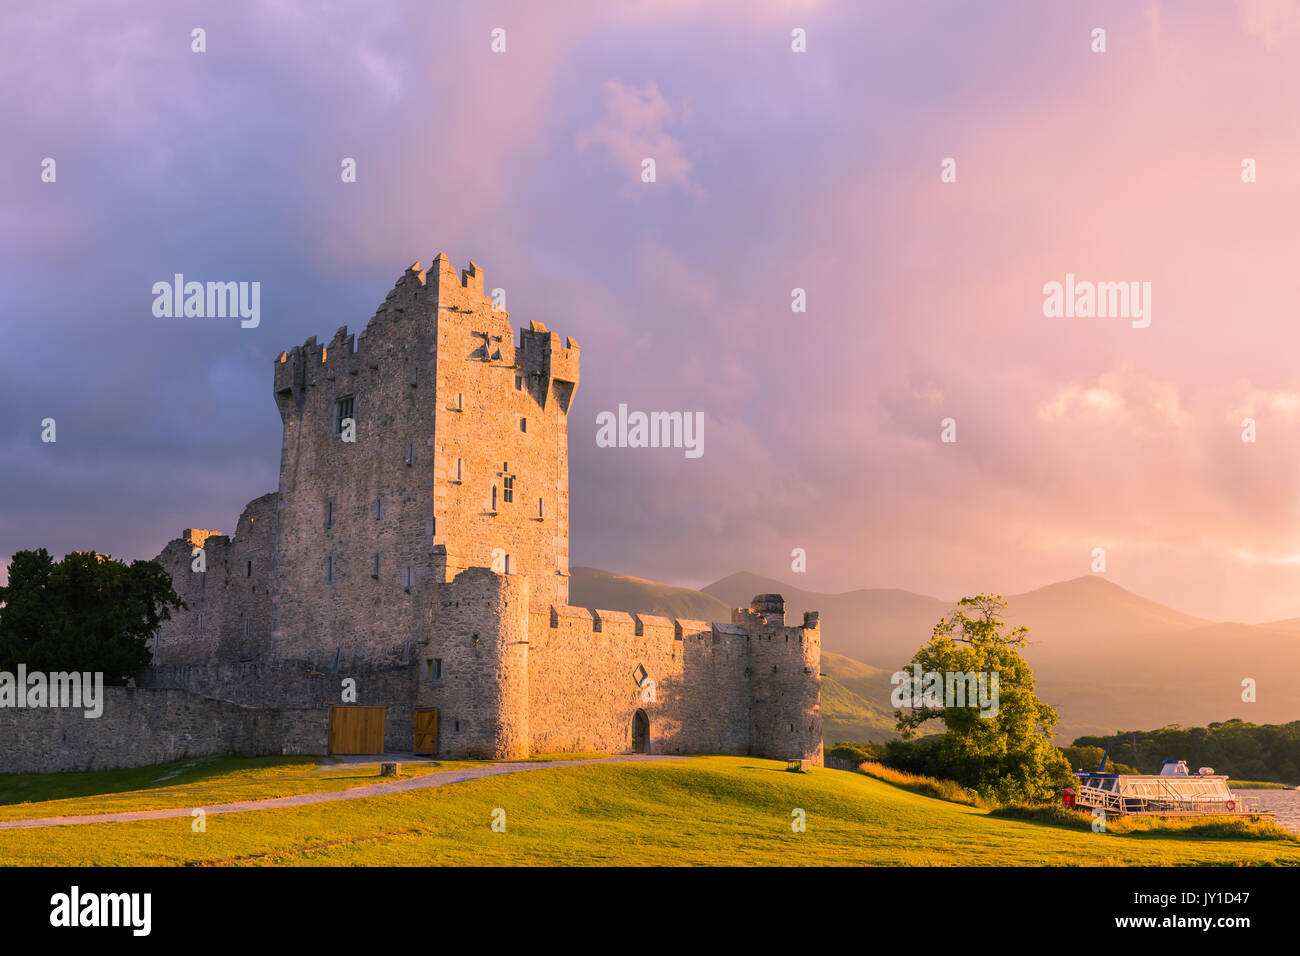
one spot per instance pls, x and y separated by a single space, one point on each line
1067 797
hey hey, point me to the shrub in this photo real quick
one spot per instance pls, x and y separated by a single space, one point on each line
917 783
845 751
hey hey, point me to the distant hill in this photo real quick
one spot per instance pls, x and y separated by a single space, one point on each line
593 588
885 626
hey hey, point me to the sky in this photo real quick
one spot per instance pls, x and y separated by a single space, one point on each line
776 170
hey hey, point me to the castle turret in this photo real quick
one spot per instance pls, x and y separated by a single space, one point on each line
770 607
478 646
785 718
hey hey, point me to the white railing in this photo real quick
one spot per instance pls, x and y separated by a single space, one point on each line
1168 801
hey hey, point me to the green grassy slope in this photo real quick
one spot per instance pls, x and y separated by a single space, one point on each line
203 781
717 810
855 701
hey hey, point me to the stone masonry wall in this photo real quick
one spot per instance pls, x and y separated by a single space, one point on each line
718 688
501 433
298 685
585 680
145 727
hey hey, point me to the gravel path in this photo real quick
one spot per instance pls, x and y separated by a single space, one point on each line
304 799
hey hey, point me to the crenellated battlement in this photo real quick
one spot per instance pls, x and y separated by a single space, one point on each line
437 298
581 622
540 353
748 625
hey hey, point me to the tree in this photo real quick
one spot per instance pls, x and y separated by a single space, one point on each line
1089 758
87 612
1008 754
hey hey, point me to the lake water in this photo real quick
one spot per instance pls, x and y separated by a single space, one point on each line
1285 804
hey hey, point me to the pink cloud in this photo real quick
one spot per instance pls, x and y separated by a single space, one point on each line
632 130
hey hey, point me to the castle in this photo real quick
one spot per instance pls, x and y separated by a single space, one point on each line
417 547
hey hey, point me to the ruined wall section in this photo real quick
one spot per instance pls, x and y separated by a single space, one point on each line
228 614
356 519
502 466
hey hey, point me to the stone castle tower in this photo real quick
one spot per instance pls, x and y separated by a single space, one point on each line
460 458
418 542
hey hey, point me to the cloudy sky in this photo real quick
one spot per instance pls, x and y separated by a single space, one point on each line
776 170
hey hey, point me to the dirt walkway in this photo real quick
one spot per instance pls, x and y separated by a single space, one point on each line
304 799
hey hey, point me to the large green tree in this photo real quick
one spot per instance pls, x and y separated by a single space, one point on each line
1008 755
87 612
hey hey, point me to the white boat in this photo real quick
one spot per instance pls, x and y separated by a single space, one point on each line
1175 790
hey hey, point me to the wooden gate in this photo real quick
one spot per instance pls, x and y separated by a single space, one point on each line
426 730
357 730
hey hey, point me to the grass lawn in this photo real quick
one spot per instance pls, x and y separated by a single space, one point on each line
714 810
203 781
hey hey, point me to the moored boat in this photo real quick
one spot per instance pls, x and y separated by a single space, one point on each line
1175 790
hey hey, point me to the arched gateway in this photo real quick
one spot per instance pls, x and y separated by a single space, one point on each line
640 733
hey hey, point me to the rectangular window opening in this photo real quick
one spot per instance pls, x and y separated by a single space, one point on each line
344 408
